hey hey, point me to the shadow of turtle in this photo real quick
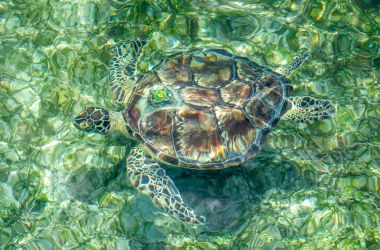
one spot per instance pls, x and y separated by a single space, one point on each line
85 184
225 197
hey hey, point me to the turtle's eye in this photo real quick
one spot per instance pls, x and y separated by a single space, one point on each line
160 96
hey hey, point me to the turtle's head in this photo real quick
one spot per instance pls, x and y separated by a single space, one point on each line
93 119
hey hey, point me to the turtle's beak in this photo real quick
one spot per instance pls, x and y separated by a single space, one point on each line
82 121
94 120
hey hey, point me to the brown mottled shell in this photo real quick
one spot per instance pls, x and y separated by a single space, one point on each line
222 108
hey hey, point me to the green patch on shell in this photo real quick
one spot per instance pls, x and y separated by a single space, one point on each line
160 96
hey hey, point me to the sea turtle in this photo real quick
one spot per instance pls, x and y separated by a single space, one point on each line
198 109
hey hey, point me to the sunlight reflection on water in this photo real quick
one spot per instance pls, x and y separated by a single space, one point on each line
312 186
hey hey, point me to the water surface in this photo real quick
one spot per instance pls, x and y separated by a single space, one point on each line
313 186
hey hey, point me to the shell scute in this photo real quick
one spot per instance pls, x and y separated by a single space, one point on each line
168 158
199 96
176 69
132 113
236 129
235 93
211 69
248 72
258 112
197 138
269 88
157 128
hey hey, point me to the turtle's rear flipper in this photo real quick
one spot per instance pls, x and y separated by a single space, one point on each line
295 64
150 179
307 108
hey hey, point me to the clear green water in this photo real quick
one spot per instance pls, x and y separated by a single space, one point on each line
313 186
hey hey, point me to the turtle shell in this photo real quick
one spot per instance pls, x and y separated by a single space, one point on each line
217 112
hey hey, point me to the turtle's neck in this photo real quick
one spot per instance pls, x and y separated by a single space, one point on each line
117 123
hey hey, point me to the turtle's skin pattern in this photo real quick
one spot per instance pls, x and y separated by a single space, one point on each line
205 109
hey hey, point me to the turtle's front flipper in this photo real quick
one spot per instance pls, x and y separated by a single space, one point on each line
307 108
123 72
150 179
295 64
